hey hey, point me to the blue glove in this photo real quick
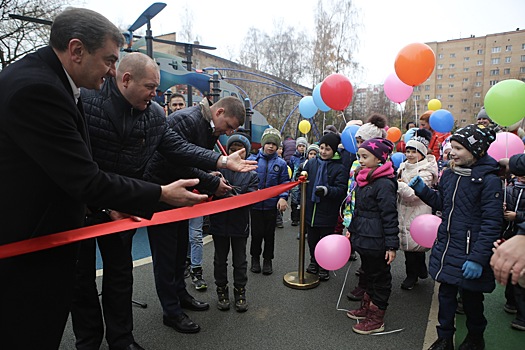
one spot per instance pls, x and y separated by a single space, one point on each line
321 191
471 270
417 184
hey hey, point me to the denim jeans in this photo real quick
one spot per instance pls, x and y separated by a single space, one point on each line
195 241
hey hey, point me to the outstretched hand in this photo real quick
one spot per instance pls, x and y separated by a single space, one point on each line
417 183
177 195
236 162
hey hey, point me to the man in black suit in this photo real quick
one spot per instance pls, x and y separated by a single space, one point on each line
48 174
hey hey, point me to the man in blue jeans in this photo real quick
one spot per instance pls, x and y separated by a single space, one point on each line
194 260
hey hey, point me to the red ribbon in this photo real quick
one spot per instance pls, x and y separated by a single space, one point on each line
57 239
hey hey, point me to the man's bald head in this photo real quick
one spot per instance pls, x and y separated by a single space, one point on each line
136 64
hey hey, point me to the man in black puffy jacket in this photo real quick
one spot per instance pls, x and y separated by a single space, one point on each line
126 129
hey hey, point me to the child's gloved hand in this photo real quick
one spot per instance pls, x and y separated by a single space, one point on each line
321 191
471 270
417 183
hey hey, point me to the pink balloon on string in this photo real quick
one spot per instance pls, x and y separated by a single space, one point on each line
332 252
396 90
424 228
506 145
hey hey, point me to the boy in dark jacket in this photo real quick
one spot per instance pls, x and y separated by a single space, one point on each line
232 228
271 170
325 191
470 197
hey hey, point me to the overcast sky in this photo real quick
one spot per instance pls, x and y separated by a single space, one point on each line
388 25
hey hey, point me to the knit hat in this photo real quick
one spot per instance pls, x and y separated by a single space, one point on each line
313 147
517 164
483 114
301 141
420 141
445 145
271 135
373 128
241 138
331 140
379 147
330 128
475 138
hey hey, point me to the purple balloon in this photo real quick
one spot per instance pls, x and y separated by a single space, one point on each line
396 90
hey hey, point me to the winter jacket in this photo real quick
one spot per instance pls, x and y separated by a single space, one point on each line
436 141
515 198
272 171
295 164
124 139
374 225
289 148
236 222
409 206
326 212
193 124
472 215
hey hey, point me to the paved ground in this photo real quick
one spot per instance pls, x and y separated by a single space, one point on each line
284 318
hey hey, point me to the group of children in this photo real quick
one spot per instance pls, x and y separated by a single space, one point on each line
380 205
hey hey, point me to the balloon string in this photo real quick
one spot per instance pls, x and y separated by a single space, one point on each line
415 117
343 288
343 116
401 113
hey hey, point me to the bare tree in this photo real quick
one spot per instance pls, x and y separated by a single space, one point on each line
17 37
251 54
186 20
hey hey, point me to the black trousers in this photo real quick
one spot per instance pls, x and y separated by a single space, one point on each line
35 297
169 247
117 289
220 260
472 305
378 277
263 229
314 236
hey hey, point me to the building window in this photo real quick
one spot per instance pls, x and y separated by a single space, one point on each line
440 76
508 48
452 65
523 46
439 86
417 88
416 97
465 80
495 61
440 55
479 63
450 106
493 82
480 52
450 85
440 66
427 87
479 74
464 100
494 72
452 55
427 97
522 69
467 48
522 58
496 49
476 104
506 71
464 89
438 96
477 94
508 59
465 69
451 76
466 59
463 111
477 83
450 96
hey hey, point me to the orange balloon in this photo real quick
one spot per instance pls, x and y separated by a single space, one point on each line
393 134
414 63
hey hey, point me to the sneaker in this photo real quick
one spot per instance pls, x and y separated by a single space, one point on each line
267 267
240 299
256 265
187 269
510 309
518 324
223 302
357 294
324 275
197 280
295 223
409 283
279 225
313 268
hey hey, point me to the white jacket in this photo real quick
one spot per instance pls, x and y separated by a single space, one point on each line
408 204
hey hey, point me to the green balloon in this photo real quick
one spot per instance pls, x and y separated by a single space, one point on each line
505 102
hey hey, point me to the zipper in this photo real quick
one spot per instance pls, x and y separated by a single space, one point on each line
468 242
448 227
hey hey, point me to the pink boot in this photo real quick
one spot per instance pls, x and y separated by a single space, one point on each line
373 323
362 312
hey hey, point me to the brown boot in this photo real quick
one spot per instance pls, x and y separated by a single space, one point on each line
373 323
362 312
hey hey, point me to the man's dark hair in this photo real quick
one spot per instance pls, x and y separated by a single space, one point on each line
88 26
176 94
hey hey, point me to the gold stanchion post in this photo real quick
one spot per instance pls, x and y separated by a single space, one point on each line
301 279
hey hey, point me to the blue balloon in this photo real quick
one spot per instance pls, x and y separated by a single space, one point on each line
409 134
316 94
307 107
348 138
398 158
441 121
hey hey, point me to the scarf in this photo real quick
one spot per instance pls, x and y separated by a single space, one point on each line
462 171
320 178
385 170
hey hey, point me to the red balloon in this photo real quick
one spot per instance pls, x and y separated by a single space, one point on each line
414 63
337 91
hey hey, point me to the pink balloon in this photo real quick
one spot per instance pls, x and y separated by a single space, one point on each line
424 228
506 144
396 90
332 252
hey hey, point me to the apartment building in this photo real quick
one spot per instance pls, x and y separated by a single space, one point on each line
466 69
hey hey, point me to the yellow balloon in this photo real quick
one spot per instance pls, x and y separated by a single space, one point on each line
434 104
304 126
